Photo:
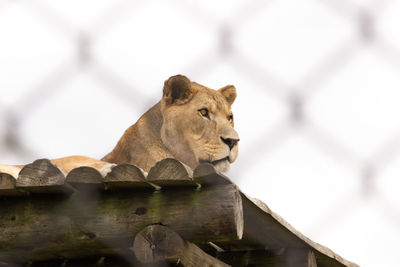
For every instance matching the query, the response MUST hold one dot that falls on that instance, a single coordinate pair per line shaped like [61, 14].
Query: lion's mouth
[215, 162]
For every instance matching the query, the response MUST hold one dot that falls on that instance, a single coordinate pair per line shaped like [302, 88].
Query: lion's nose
[231, 142]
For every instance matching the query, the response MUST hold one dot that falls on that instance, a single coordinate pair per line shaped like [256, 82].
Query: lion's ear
[177, 90]
[229, 92]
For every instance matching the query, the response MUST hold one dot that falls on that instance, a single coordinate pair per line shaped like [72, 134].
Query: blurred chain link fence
[287, 72]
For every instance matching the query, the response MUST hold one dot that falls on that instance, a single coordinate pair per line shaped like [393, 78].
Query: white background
[317, 111]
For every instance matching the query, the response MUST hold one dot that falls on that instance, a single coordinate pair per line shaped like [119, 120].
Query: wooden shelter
[117, 215]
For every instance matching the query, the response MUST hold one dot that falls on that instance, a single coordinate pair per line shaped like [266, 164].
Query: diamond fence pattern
[318, 96]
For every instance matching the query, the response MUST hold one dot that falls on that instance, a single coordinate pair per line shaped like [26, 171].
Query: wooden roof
[83, 211]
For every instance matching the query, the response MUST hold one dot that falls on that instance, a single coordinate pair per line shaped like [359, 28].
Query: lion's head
[198, 123]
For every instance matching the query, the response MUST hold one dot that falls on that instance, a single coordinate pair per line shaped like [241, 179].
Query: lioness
[191, 123]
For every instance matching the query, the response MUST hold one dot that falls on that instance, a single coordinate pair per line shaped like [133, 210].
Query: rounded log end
[40, 173]
[158, 243]
[171, 172]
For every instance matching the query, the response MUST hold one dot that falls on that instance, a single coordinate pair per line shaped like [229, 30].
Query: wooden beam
[289, 257]
[41, 227]
[95, 261]
[157, 243]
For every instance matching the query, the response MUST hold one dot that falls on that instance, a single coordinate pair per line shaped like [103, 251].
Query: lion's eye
[230, 117]
[204, 113]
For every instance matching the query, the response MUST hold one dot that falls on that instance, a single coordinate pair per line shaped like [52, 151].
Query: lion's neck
[141, 143]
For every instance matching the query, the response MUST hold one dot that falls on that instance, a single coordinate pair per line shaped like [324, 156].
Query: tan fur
[67, 164]
[173, 128]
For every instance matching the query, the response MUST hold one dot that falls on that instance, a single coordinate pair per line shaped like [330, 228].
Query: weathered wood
[206, 175]
[157, 243]
[263, 229]
[194, 256]
[311, 259]
[251, 257]
[95, 261]
[328, 260]
[44, 227]
[126, 176]
[294, 257]
[171, 172]
[42, 176]
[289, 257]
[7, 185]
[85, 178]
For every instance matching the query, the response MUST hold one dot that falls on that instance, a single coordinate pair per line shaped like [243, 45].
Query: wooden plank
[126, 176]
[85, 178]
[42, 176]
[44, 228]
[206, 175]
[171, 172]
[157, 243]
